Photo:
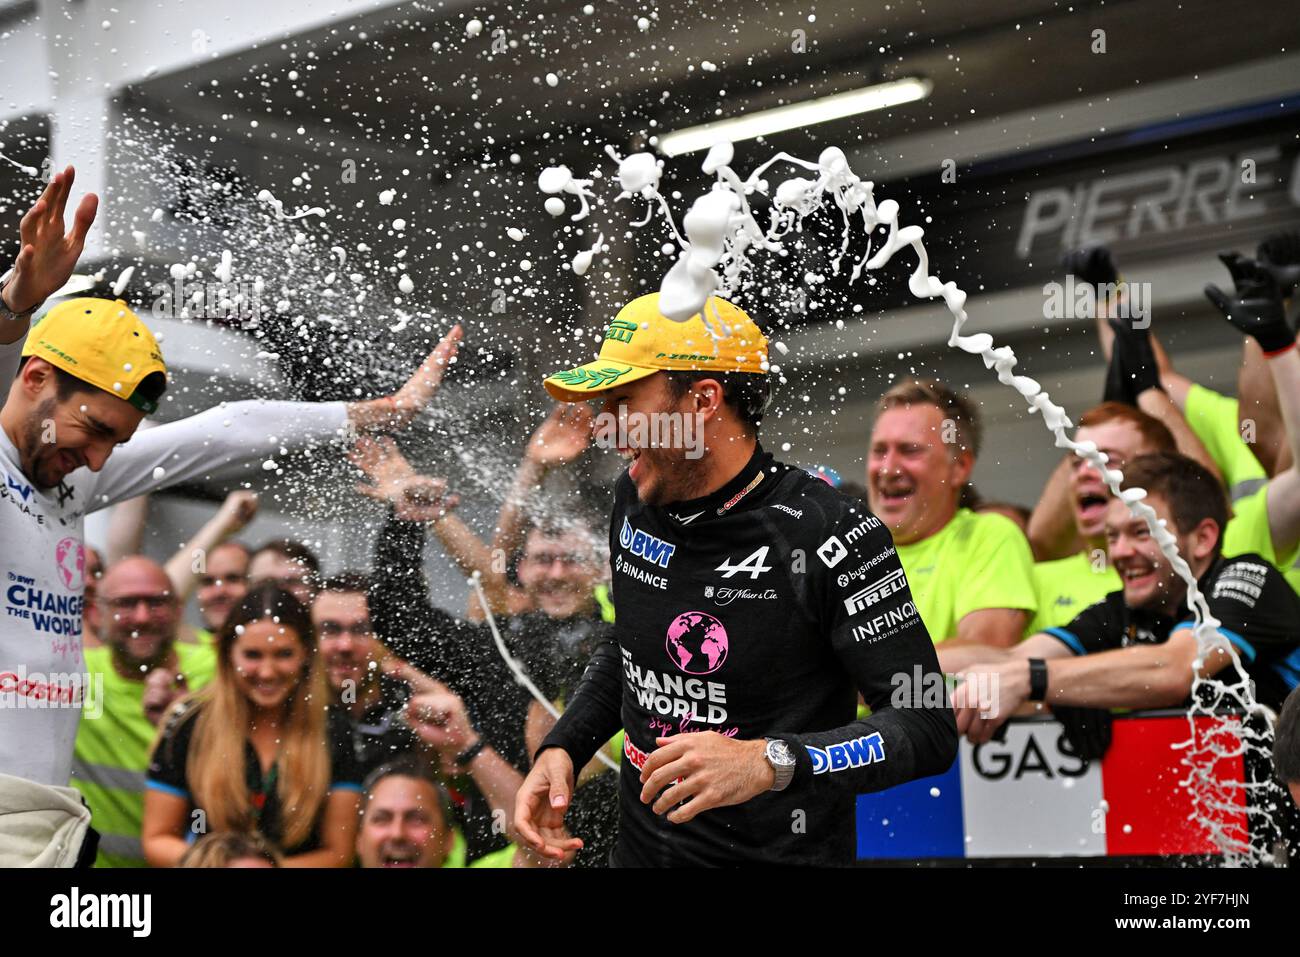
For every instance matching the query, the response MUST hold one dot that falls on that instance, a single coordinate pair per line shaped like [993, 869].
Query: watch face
[779, 752]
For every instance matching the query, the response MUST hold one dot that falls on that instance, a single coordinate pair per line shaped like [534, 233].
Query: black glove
[1087, 730]
[1090, 264]
[1257, 308]
[1280, 255]
[1132, 361]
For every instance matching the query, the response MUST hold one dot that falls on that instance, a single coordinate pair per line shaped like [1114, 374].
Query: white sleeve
[231, 434]
[10, 353]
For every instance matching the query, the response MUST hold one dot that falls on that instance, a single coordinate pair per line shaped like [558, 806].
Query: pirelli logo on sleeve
[878, 590]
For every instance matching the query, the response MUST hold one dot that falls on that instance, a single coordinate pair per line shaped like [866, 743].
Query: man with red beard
[970, 572]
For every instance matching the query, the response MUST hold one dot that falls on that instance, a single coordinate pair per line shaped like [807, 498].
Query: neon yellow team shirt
[456, 856]
[974, 562]
[1067, 586]
[1213, 417]
[112, 751]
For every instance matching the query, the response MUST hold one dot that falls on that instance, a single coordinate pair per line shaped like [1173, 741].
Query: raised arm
[184, 567]
[1052, 531]
[419, 498]
[561, 438]
[46, 256]
[1257, 310]
[251, 433]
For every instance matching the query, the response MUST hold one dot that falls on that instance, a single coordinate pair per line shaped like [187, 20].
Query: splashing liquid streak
[722, 234]
[517, 669]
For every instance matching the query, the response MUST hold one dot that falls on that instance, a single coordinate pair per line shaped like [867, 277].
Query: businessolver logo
[877, 590]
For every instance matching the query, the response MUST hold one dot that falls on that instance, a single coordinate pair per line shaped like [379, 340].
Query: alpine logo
[851, 754]
[891, 583]
[685, 519]
[753, 564]
[644, 545]
[832, 552]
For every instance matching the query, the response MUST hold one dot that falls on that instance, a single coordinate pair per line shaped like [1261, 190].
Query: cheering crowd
[347, 719]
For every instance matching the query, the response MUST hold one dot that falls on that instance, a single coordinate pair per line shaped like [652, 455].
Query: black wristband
[1037, 679]
[470, 753]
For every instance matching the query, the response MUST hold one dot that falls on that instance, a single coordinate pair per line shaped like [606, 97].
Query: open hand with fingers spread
[1257, 308]
[562, 436]
[48, 251]
[396, 411]
[414, 497]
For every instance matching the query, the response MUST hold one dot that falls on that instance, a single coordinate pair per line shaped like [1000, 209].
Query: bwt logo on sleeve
[857, 753]
[654, 550]
[891, 583]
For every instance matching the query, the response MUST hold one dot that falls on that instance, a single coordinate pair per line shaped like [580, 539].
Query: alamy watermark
[189, 298]
[1084, 300]
[651, 430]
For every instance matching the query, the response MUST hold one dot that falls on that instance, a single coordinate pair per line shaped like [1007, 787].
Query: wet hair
[294, 551]
[1192, 493]
[407, 766]
[1156, 436]
[223, 849]
[748, 394]
[953, 405]
[1286, 741]
[346, 583]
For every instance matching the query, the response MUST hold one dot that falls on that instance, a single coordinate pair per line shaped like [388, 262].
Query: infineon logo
[639, 543]
[851, 754]
[891, 583]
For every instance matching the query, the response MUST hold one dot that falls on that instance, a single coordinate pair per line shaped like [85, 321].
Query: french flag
[1031, 796]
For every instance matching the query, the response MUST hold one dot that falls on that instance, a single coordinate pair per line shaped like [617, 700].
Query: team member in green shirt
[1265, 520]
[969, 572]
[134, 675]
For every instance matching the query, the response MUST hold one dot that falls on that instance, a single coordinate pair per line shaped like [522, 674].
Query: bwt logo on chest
[644, 545]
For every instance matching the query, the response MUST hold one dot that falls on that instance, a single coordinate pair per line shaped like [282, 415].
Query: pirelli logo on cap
[873, 593]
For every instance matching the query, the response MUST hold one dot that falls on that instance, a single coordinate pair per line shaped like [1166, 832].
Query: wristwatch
[1037, 679]
[781, 758]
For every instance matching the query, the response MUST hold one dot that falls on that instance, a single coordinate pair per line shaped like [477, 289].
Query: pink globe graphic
[70, 558]
[697, 643]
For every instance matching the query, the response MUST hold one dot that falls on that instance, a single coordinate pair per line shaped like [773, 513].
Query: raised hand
[414, 497]
[397, 410]
[1280, 255]
[237, 510]
[1257, 308]
[48, 253]
[1091, 264]
[562, 436]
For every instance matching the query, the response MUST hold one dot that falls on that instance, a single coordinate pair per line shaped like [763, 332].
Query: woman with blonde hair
[230, 849]
[257, 750]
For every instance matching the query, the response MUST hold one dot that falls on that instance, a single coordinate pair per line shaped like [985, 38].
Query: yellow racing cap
[102, 343]
[641, 341]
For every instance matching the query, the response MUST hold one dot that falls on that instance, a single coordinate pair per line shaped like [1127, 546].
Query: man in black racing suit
[752, 603]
